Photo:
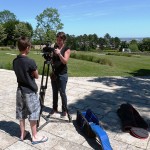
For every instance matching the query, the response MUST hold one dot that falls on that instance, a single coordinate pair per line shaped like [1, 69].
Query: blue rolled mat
[102, 135]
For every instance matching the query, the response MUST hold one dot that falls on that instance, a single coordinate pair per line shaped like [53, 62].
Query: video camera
[48, 51]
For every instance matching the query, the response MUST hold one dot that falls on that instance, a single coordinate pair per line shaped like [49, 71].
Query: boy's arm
[35, 74]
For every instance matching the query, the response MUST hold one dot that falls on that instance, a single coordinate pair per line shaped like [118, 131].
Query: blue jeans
[59, 85]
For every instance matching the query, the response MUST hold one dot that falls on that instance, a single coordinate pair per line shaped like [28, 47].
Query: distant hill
[130, 39]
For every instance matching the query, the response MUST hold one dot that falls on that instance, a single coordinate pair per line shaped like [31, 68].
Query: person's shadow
[10, 127]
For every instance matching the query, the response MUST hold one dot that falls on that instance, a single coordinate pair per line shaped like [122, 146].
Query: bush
[5, 48]
[120, 54]
[95, 59]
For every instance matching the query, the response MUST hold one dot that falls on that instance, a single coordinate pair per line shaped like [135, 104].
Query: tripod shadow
[93, 142]
[50, 118]
[46, 109]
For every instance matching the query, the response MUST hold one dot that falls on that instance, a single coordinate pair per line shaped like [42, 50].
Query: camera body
[48, 51]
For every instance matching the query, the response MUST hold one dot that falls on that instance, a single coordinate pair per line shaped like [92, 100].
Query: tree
[42, 37]
[84, 42]
[101, 43]
[117, 42]
[39, 36]
[123, 44]
[15, 29]
[3, 35]
[6, 16]
[22, 29]
[133, 45]
[29, 26]
[78, 42]
[93, 41]
[49, 20]
[144, 45]
[71, 42]
[9, 30]
[107, 38]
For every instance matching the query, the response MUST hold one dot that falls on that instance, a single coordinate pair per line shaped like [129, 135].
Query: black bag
[84, 124]
[130, 118]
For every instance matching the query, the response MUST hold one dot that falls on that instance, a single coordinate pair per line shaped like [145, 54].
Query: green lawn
[122, 65]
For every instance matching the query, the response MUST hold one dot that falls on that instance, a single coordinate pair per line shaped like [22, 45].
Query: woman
[59, 76]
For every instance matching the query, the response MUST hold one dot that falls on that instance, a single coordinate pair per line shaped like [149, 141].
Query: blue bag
[89, 123]
[102, 136]
[84, 124]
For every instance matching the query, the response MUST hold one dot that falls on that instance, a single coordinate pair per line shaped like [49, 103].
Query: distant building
[126, 50]
[38, 46]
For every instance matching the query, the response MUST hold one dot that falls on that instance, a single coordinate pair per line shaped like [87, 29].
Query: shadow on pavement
[10, 127]
[106, 103]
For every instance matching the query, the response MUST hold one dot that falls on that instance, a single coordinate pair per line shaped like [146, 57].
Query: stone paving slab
[103, 95]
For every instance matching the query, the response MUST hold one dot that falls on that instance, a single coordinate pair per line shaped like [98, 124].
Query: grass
[122, 65]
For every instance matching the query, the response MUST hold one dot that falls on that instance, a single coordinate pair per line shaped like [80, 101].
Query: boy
[27, 102]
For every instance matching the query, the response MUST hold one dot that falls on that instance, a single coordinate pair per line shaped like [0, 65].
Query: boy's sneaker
[63, 114]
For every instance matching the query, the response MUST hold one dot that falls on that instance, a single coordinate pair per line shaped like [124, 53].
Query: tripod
[42, 93]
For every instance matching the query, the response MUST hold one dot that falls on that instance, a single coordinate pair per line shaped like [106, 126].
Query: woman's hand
[64, 59]
[57, 51]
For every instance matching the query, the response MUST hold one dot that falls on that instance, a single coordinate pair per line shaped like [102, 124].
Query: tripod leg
[69, 116]
[43, 88]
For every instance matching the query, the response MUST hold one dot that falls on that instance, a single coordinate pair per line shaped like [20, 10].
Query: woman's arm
[64, 59]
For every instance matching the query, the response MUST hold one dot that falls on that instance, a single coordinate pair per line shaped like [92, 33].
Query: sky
[118, 18]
